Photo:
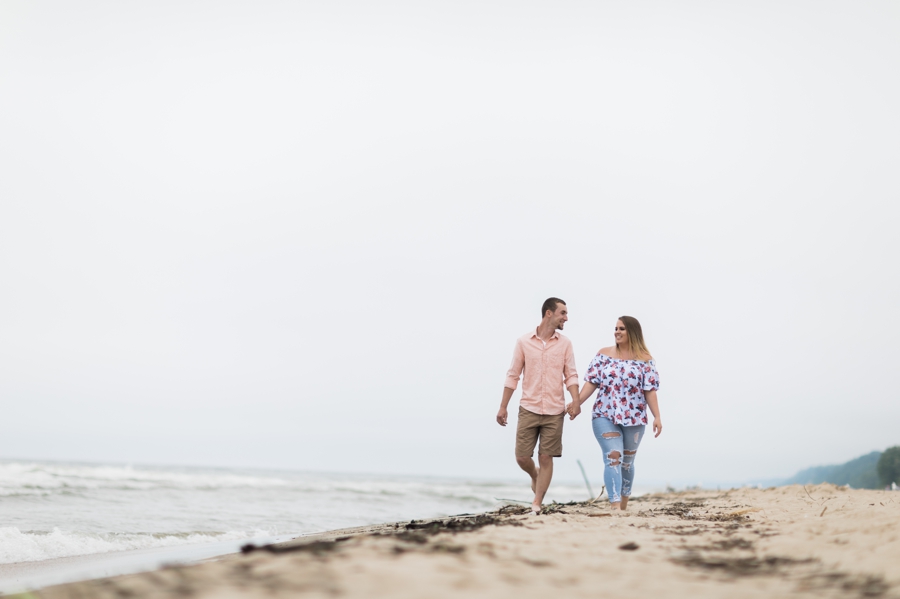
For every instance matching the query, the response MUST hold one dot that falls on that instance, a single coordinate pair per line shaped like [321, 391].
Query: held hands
[657, 427]
[573, 410]
[502, 417]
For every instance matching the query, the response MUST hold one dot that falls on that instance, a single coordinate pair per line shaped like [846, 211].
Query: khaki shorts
[531, 426]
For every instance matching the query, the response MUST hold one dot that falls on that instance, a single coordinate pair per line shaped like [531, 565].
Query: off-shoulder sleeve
[593, 372]
[650, 376]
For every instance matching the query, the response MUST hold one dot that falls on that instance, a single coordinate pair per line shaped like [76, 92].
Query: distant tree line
[874, 470]
[888, 466]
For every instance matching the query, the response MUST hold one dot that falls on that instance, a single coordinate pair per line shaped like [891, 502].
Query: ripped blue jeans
[619, 444]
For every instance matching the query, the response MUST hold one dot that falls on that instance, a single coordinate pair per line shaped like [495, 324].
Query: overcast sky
[307, 234]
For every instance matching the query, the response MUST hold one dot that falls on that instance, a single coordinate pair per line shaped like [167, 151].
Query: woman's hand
[573, 409]
[653, 404]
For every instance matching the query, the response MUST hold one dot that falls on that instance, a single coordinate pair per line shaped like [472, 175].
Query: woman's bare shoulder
[608, 351]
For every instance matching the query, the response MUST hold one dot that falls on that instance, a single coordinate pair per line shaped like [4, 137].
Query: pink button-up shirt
[548, 370]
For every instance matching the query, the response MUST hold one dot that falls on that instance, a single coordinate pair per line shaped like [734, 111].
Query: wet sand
[818, 541]
[36, 574]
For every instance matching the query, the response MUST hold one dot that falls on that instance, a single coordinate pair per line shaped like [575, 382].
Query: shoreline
[814, 541]
[22, 576]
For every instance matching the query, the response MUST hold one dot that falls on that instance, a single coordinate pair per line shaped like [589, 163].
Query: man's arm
[502, 414]
[573, 391]
[570, 378]
[570, 375]
[512, 381]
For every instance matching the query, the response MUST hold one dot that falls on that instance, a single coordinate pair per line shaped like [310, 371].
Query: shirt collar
[535, 335]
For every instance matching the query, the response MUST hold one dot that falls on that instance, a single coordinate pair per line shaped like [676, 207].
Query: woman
[627, 378]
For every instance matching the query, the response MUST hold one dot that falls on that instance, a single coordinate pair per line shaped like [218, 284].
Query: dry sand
[818, 541]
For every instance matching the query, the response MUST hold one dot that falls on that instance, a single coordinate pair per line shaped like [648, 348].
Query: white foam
[17, 546]
[21, 478]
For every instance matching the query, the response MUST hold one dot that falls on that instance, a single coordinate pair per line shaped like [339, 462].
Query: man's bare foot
[534, 480]
[535, 509]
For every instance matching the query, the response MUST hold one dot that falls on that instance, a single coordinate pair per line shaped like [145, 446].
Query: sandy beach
[815, 541]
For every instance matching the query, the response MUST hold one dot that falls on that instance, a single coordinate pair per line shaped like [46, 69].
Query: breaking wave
[17, 546]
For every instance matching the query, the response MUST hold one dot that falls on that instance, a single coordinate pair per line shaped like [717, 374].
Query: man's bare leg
[545, 473]
[527, 464]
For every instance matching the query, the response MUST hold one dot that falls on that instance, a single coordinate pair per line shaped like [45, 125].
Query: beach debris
[607, 515]
[629, 547]
[684, 531]
[732, 543]
[537, 562]
[460, 524]
[557, 508]
[446, 548]
[735, 515]
[728, 544]
[823, 511]
[434, 548]
[679, 508]
[810, 573]
[644, 498]
[513, 510]
[418, 531]
[315, 547]
[597, 498]
[866, 585]
[739, 566]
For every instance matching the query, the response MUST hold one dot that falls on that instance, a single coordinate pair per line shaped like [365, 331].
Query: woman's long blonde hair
[635, 339]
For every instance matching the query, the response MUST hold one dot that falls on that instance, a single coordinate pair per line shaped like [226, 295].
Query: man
[548, 363]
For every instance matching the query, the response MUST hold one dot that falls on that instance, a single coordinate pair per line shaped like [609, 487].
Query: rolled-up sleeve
[570, 375]
[516, 368]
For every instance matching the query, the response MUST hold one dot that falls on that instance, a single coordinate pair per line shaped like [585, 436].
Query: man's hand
[573, 409]
[657, 427]
[502, 416]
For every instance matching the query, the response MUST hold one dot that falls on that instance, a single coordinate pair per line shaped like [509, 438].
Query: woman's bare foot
[624, 503]
[616, 507]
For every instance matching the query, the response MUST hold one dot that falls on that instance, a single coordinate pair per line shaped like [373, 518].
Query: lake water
[52, 510]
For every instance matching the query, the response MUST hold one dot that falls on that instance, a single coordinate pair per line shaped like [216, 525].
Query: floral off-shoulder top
[620, 388]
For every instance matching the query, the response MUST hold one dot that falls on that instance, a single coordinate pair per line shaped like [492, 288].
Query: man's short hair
[550, 304]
